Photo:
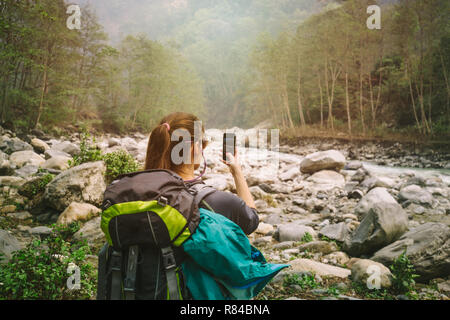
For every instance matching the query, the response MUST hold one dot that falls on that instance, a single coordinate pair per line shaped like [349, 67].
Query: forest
[305, 65]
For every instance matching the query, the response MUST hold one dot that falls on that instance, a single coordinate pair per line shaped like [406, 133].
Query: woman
[239, 209]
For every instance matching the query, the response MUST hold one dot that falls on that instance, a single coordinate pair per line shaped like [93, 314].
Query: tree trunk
[321, 103]
[361, 108]
[44, 89]
[347, 100]
[299, 97]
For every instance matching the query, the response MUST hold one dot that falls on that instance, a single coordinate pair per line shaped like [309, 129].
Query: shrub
[403, 274]
[40, 271]
[119, 162]
[304, 281]
[88, 152]
[307, 237]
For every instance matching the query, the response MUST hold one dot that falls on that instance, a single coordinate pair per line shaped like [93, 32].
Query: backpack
[146, 217]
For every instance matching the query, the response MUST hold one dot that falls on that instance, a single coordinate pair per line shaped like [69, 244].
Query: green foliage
[66, 231]
[88, 152]
[403, 274]
[40, 184]
[40, 271]
[304, 281]
[119, 162]
[362, 290]
[307, 237]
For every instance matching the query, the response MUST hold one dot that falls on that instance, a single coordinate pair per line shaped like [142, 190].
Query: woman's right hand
[233, 163]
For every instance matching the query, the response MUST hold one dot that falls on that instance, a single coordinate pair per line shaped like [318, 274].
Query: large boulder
[377, 195]
[319, 268]
[294, 232]
[324, 247]
[78, 212]
[415, 194]
[363, 269]
[336, 232]
[39, 145]
[428, 249]
[21, 158]
[57, 163]
[91, 232]
[323, 160]
[8, 244]
[381, 225]
[11, 145]
[327, 177]
[55, 153]
[67, 147]
[11, 181]
[83, 183]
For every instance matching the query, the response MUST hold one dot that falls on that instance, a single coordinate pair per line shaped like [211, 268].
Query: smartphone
[229, 144]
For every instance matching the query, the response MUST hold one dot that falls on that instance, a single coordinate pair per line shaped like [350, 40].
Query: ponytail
[160, 146]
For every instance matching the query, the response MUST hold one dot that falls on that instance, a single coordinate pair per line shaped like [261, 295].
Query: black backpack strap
[116, 275]
[201, 191]
[129, 284]
[102, 271]
[171, 276]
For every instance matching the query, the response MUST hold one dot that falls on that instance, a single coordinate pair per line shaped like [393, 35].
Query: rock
[23, 215]
[113, 142]
[364, 268]
[338, 257]
[355, 194]
[55, 153]
[384, 223]
[12, 145]
[83, 183]
[91, 232]
[368, 183]
[284, 245]
[21, 158]
[39, 145]
[319, 268]
[385, 182]
[67, 147]
[359, 175]
[262, 240]
[322, 160]
[8, 245]
[428, 249]
[323, 247]
[273, 219]
[41, 231]
[290, 174]
[219, 183]
[57, 162]
[327, 177]
[294, 232]
[353, 165]
[415, 194]
[444, 286]
[7, 209]
[257, 192]
[374, 196]
[264, 228]
[336, 232]
[78, 212]
[11, 181]
[27, 171]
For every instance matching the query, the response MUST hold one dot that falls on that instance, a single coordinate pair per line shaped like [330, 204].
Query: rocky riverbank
[323, 208]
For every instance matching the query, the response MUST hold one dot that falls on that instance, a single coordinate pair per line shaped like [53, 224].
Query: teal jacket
[222, 264]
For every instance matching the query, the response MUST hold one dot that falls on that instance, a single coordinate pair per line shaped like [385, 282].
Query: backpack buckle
[116, 260]
[162, 201]
[168, 258]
